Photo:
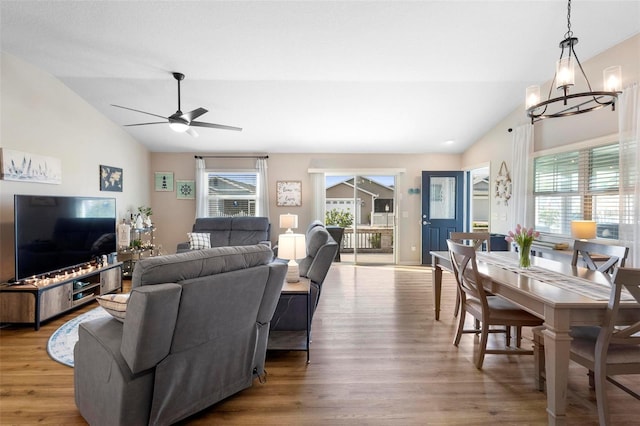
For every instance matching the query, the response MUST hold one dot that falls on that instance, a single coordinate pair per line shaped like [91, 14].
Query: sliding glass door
[365, 207]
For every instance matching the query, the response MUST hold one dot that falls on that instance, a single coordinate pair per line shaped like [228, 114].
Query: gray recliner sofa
[232, 231]
[290, 312]
[195, 332]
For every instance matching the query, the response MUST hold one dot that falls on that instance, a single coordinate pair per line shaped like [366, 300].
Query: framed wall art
[503, 185]
[110, 178]
[185, 189]
[288, 193]
[26, 167]
[164, 181]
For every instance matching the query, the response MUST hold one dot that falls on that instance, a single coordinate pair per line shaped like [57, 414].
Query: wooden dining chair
[489, 310]
[587, 251]
[478, 240]
[611, 349]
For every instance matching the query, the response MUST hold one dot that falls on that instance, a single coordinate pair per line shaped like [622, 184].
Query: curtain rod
[232, 156]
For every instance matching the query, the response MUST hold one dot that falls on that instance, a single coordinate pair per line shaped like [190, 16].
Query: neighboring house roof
[220, 185]
[366, 185]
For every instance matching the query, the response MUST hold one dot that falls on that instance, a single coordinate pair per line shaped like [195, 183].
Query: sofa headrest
[241, 223]
[316, 238]
[250, 224]
[197, 263]
[314, 224]
[212, 224]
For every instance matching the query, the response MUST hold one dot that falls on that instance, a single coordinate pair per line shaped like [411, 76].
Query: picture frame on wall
[26, 167]
[111, 178]
[164, 181]
[288, 193]
[185, 189]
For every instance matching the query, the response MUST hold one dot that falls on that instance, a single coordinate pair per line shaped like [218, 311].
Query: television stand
[37, 300]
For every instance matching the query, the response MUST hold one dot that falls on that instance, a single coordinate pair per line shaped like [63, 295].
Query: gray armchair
[290, 312]
[195, 332]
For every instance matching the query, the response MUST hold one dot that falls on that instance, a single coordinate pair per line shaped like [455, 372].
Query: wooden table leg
[437, 287]
[557, 344]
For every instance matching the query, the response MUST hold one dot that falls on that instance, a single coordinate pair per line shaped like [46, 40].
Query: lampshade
[565, 72]
[289, 221]
[532, 96]
[583, 229]
[612, 77]
[292, 247]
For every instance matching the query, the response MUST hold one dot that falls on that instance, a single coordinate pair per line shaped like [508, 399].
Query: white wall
[40, 115]
[496, 145]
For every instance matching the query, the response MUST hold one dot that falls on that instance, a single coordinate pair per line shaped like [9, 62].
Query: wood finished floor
[378, 357]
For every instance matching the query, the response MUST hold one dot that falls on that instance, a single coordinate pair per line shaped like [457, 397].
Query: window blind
[577, 185]
[232, 193]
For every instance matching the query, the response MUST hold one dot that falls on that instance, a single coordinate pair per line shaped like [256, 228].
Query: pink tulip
[509, 239]
[530, 232]
[511, 234]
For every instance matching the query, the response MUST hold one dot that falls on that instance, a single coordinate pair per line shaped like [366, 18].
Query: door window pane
[442, 202]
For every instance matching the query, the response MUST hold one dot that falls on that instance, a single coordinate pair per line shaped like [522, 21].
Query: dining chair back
[479, 241]
[612, 349]
[614, 255]
[488, 309]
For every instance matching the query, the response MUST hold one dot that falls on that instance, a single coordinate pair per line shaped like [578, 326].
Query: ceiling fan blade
[137, 110]
[192, 132]
[144, 124]
[192, 115]
[215, 126]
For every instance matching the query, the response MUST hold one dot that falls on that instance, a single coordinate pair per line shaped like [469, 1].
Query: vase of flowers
[523, 237]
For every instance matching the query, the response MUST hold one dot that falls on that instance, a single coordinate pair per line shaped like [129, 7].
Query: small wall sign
[185, 189]
[164, 181]
[289, 193]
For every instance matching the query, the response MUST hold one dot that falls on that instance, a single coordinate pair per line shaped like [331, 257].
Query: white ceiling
[309, 76]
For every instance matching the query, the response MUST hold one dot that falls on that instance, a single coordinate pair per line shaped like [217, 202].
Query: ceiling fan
[179, 121]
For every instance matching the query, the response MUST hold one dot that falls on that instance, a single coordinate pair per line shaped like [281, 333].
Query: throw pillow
[199, 240]
[115, 304]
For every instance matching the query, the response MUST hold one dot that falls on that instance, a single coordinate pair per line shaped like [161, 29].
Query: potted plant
[145, 212]
[335, 221]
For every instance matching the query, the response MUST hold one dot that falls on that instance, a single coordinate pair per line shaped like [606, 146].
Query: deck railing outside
[368, 239]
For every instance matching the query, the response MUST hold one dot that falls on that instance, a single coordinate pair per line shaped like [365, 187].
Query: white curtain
[262, 209]
[628, 123]
[318, 192]
[202, 188]
[521, 202]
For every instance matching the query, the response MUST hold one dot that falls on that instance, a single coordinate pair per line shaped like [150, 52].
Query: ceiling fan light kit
[181, 122]
[577, 103]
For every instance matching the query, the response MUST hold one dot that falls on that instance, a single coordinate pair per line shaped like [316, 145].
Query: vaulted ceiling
[309, 76]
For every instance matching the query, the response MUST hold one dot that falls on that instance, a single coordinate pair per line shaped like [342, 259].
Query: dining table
[561, 294]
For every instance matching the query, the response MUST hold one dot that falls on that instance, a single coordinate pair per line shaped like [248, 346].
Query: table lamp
[292, 247]
[289, 221]
[583, 229]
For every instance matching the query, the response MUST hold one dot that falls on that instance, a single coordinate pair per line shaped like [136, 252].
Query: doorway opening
[364, 205]
[479, 204]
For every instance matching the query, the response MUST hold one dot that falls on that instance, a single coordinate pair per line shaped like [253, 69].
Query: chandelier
[577, 103]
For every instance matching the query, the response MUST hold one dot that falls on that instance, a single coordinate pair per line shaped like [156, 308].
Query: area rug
[62, 341]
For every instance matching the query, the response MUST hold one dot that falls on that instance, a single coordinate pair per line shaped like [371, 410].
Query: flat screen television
[53, 233]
